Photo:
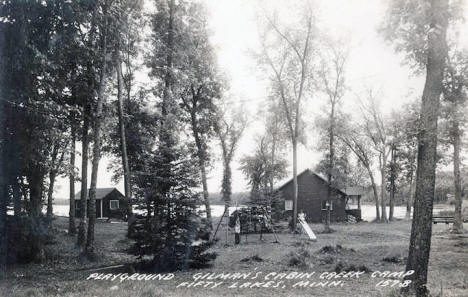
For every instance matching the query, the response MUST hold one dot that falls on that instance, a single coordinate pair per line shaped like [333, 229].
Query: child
[237, 230]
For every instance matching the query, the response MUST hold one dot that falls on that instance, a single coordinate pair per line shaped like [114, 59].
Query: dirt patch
[393, 259]
[338, 249]
[345, 267]
[461, 244]
[254, 258]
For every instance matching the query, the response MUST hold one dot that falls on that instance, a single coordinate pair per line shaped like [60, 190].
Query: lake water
[367, 211]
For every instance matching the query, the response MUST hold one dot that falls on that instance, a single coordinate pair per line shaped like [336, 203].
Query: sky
[371, 62]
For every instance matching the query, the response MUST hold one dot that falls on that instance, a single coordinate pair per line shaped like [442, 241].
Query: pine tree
[172, 231]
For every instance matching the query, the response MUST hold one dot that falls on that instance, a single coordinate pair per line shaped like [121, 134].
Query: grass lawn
[363, 246]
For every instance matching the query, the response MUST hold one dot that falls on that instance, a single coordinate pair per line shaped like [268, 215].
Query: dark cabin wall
[106, 212]
[312, 190]
[78, 210]
[114, 195]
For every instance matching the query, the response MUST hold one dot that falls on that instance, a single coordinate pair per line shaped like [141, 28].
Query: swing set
[254, 219]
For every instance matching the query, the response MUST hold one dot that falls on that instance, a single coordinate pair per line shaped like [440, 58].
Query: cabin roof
[100, 193]
[312, 173]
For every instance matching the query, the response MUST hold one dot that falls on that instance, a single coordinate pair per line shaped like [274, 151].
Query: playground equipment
[253, 219]
[306, 227]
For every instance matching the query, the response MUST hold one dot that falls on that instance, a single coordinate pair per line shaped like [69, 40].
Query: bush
[180, 246]
[26, 238]
[327, 260]
[119, 213]
[299, 258]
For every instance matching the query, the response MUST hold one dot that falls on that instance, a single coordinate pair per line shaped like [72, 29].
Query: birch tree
[403, 137]
[128, 37]
[375, 129]
[287, 54]
[331, 82]
[357, 143]
[87, 95]
[104, 28]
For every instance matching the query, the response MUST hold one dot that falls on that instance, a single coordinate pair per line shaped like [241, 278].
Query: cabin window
[288, 205]
[324, 205]
[114, 204]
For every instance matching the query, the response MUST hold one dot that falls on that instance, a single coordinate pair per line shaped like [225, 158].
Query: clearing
[362, 246]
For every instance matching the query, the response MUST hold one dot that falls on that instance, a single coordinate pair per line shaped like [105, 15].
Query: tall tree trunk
[271, 180]
[294, 218]
[376, 195]
[168, 75]
[35, 189]
[82, 227]
[16, 198]
[201, 152]
[331, 165]
[409, 201]
[166, 140]
[52, 174]
[71, 213]
[98, 119]
[383, 190]
[81, 238]
[458, 222]
[226, 186]
[392, 182]
[421, 229]
[50, 193]
[3, 199]
[3, 221]
[123, 147]
[206, 197]
[35, 181]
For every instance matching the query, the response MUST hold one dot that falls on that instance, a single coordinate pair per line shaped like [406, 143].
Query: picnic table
[443, 219]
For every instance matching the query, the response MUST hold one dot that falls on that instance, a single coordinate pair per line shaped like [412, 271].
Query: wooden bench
[439, 219]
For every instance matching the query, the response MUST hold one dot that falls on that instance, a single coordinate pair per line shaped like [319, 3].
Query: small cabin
[312, 198]
[110, 203]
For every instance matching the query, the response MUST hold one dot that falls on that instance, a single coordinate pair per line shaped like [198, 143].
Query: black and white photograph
[233, 148]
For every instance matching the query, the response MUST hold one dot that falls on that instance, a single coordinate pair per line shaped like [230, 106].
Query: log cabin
[110, 203]
[312, 196]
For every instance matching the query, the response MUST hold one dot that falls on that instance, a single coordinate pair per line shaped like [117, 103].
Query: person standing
[237, 230]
